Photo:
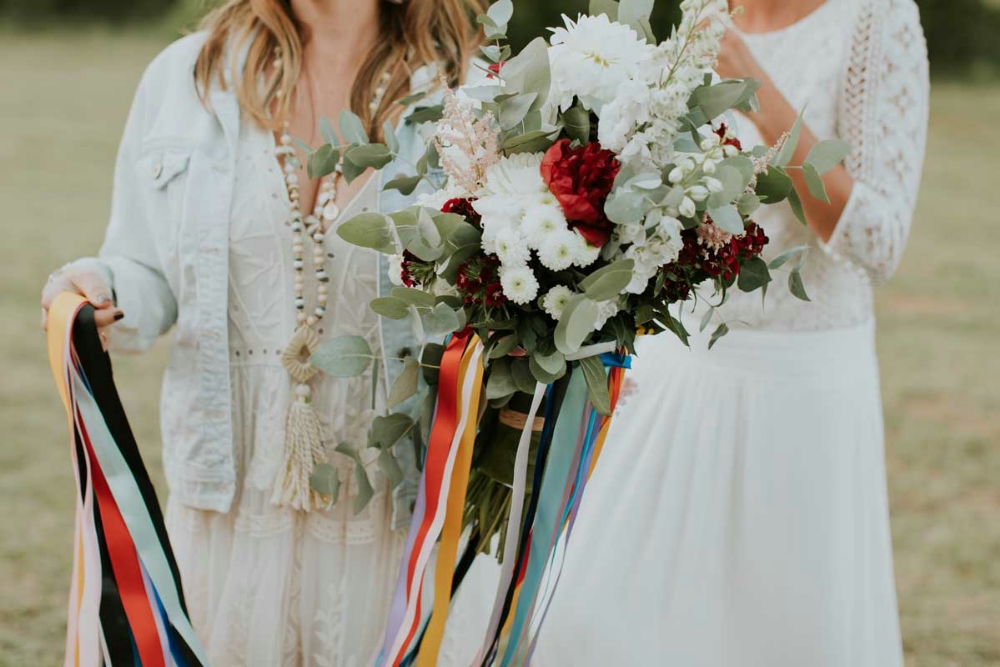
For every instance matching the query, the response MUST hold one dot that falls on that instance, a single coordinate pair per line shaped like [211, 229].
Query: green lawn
[63, 106]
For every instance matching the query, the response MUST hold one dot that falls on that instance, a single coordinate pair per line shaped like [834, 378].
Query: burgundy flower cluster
[479, 281]
[463, 207]
[698, 261]
[414, 270]
[581, 179]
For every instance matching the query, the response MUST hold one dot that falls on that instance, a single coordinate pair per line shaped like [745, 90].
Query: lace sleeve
[883, 115]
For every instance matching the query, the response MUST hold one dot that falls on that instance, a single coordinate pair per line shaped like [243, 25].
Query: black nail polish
[119, 316]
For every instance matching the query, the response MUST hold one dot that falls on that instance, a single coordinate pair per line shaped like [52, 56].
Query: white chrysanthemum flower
[605, 311]
[541, 220]
[511, 247]
[516, 175]
[584, 254]
[590, 58]
[554, 303]
[558, 250]
[519, 284]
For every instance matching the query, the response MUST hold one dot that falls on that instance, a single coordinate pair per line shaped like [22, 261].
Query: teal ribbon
[563, 452]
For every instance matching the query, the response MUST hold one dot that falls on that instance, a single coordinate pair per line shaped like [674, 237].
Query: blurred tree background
[962, 35]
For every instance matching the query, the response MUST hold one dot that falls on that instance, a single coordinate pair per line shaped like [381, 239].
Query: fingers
[87, 284]
[107, 316]
[93, 288]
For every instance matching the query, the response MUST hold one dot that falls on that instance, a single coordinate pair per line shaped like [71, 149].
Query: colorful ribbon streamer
[126, 602]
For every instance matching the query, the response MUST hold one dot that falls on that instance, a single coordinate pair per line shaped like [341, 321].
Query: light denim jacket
[166, 255]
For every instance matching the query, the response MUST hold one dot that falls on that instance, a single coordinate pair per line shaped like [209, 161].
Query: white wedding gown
[270, 586]
[738, 516]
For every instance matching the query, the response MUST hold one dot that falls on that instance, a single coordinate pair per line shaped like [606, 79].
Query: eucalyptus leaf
[636, 13]
[747, 204]
[405, 384]
[389, 466]
[627, 207]
[405, 184]
[369, 156]
[325, 480]
[796, 286]
[576, 121]
[773, 186]
[428, 114]
[535, 141]
[815, 183]
[719, 332]
[796, 253]
[784, 155]
[364, 490]
[500, 382]
[513, 111]
[796, 205]
[547, 368]
[714, 100]
[412, 99]
[501, 12]
[343, 356]
[441, 320]
[597, 384]
[389, 136]
[706, 319]
[351, 128]
[351, 171]
[389, 430]
[576, 324]
[609, 7]
[326, 131]
[413, 297]
[608, 282]
[430, 360]
[827, 154]
[727, 218]
[733, 183]
[390, 307]
[520, 371]
[529, 71]
[753, 275]
[503, 346]
[369, 230]
[323, 161]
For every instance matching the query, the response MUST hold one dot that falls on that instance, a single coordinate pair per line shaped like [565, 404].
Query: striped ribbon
[126, 604]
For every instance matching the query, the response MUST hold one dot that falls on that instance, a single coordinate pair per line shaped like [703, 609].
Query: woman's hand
[83, 278]
[735, 59]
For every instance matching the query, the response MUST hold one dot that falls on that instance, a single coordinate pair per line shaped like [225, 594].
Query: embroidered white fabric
[858, 68]
[269, 585]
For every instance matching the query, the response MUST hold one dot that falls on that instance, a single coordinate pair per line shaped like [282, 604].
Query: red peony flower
[581, 179]
[463, 207]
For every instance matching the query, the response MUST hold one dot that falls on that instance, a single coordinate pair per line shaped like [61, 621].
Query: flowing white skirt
[738, 516]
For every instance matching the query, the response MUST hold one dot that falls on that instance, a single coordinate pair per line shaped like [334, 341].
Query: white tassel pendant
[303, 434]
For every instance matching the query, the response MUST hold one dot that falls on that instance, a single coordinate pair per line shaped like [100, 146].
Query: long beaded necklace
[303, 433]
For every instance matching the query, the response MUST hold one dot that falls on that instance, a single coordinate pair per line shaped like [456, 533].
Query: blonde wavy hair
[414, 33]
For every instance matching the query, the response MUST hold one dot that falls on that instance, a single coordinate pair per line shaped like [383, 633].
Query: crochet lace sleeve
[883, 115]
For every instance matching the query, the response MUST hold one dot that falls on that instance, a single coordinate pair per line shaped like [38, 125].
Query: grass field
[63, 105]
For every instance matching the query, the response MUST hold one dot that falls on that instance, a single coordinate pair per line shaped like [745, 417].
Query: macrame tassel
[303, 434]
[303, 450]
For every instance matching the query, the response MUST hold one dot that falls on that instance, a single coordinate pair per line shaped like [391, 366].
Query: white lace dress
[270, 586]
[738, 515]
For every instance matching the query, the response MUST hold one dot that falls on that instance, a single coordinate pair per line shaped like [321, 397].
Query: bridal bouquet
[590, 183]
